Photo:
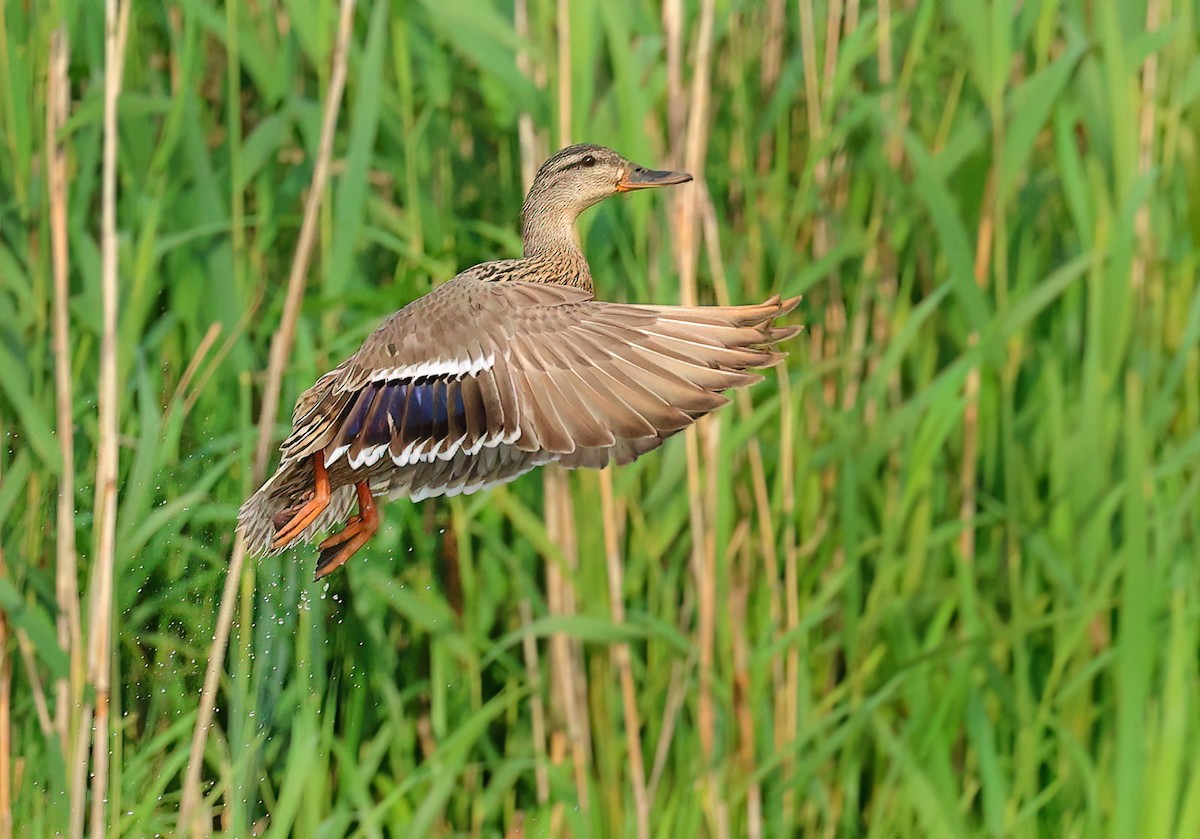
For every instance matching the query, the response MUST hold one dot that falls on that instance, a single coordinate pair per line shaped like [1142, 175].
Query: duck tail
[256, 518]
[269, 510]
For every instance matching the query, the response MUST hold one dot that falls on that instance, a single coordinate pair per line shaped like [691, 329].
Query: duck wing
[539, 367]
[479, 382]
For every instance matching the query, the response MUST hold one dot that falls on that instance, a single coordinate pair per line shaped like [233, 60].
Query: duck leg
[308, 513]
[344, 544]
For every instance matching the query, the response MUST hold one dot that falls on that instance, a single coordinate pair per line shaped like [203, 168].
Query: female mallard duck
[510, 365]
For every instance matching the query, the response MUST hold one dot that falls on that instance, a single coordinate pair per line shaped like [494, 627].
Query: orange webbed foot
[309, 512]
[345, 543]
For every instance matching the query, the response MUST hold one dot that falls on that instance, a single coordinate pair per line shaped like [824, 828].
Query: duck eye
[588, 161]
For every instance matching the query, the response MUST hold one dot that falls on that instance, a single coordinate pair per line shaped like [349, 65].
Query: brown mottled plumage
[510, 365]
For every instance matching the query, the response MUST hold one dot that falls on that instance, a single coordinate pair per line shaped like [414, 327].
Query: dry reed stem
[833, 28]
[860, 328]
[529, 649]
[68, 690]
[771, 69]
[835, 315]
[193, 365]
[676, 695]
[966, 509]
[516, 828]
[526, 130]
[29, 659]
[226, 347]
[688, 126]
[565, 676]
[78, 779]
[695, 144]
[696, 149]
[527, 134]
[817, 96]
[772, 55]
[568, 675]
[766, 536]
[791, 584]
[813, 109]
[967, 477]
[701, 497]
[672, 19]
[772, 64]
[621, 657]
[851, 16]
[1146, 121]
[100, 618]
[707, 591]
[884, 31]
[880, 256]
[280, 350]
[740, 552]
[563, 52]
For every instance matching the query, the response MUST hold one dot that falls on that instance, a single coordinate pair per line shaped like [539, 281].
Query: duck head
[578, 177]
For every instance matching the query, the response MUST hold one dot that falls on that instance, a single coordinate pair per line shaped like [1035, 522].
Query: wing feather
[480, 366]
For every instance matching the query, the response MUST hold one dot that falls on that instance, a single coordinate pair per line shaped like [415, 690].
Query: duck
[511, 365]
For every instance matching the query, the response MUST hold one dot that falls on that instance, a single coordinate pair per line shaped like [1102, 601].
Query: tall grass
[935, 576]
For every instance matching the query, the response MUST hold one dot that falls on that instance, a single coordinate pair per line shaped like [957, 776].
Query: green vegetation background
[961, 596]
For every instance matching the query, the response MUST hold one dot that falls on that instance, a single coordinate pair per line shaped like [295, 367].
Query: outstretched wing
[540, 368]
[477, 383]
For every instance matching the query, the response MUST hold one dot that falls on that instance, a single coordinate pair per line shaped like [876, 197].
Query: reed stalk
[100, 664]
[567, 674]
[280, 350]
[69, 688]
[620, 655]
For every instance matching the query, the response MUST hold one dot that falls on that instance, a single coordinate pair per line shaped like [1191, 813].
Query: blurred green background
[936, 576]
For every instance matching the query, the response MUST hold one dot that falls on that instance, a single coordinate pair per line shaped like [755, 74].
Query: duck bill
[639, 178]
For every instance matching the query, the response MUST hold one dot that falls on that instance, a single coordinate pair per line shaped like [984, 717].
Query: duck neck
[549, 237]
